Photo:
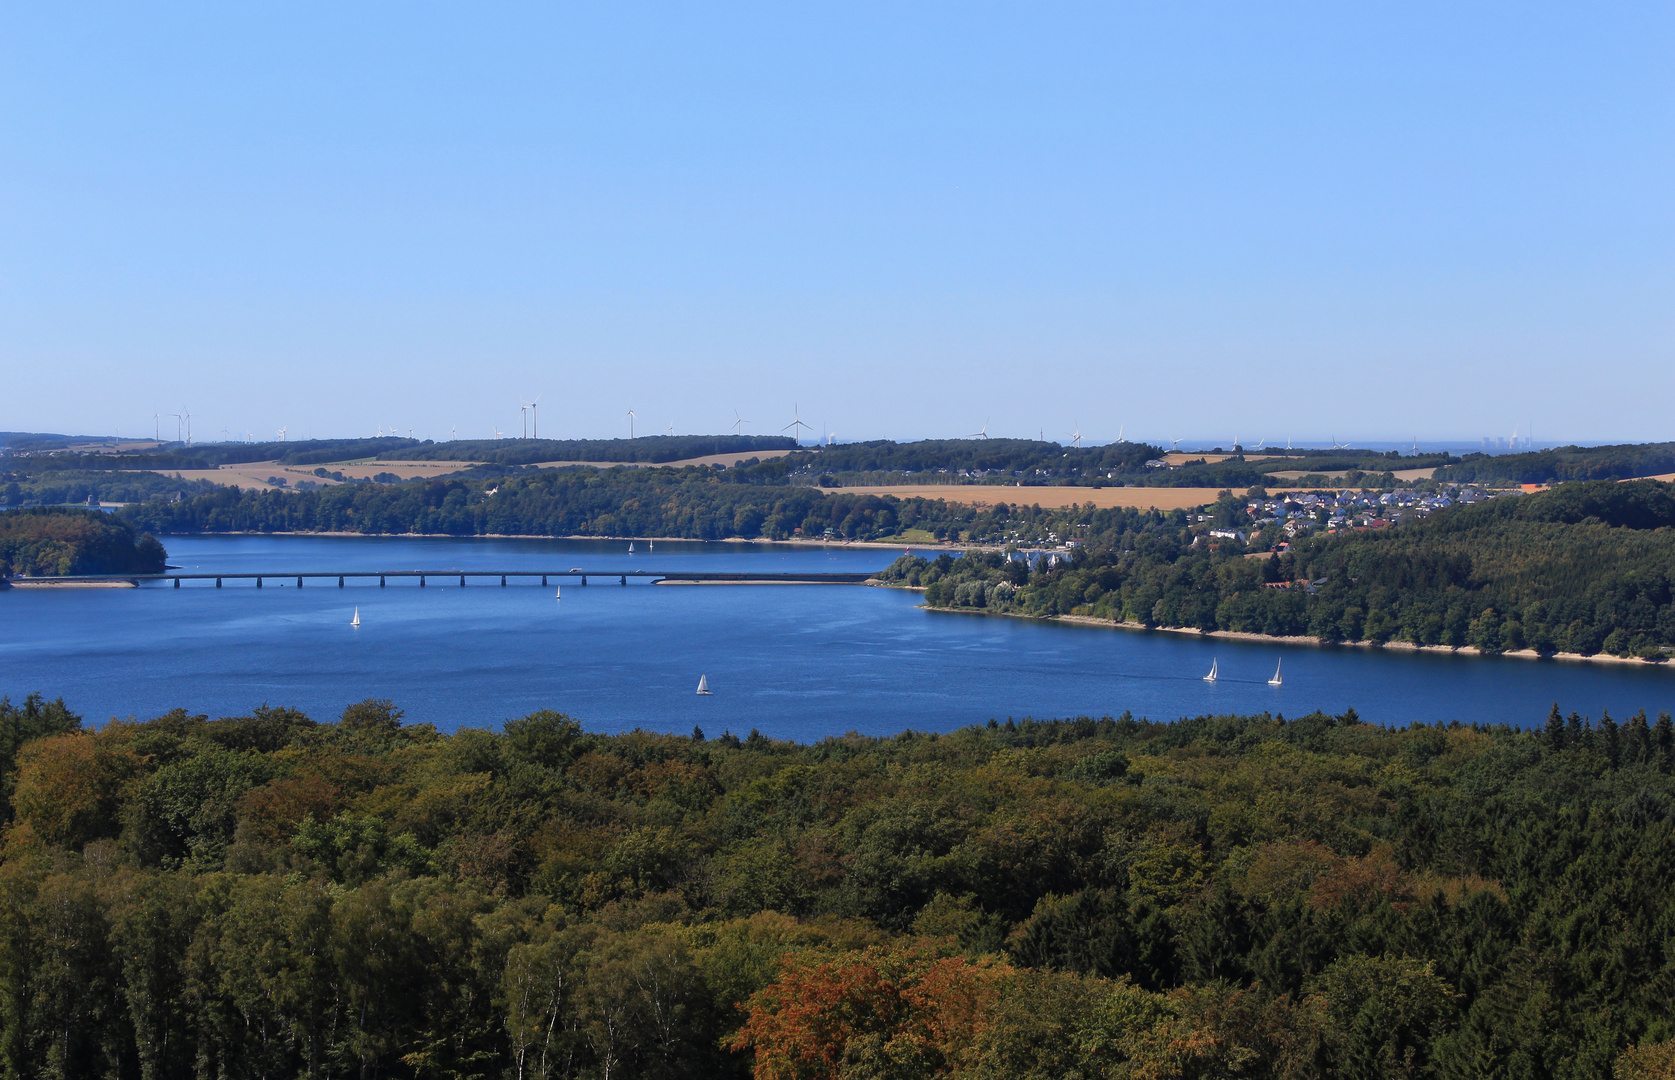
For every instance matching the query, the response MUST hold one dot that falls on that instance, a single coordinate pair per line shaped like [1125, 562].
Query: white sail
[1276, 681]
[1211, 677]
[356, 621]
[558, 594]
[703, 684]
[630, 547]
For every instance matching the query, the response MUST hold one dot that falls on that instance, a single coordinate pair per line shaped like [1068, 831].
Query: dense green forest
[1261, 897]
[1564, 463]
[697, 503]
[646, 448]
[1583, 568]
[57, 540]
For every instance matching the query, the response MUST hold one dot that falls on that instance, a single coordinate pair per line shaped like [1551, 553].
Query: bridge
[505, 577]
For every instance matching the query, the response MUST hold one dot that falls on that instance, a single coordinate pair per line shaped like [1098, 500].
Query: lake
[798, 662]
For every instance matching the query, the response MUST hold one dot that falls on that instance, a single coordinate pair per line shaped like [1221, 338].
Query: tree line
[46, 541]
[1261, 897]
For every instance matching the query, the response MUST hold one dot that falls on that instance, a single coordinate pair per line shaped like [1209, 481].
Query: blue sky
[1372, 220]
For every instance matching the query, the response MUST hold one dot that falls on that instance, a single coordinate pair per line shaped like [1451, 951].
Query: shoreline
[1303, 640]
[880, 545]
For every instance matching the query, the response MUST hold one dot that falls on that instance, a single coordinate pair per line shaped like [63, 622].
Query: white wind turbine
[796, 425]
[631, 418]
[523, 416]
[1076, 437]
[738, 423]
[984, 433]
[534, 418]
[1174, 445]
[282, 434]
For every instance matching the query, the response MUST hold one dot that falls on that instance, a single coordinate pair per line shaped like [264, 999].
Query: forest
[696, 503]
[1565, 463]
[59, 540]
[1261, 896]
[1585, 568]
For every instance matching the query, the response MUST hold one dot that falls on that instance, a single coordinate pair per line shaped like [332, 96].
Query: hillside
[1227, 896]
[1584, 568]
[69, 541]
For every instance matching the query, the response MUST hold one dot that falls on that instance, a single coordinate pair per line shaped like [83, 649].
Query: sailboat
[356, 621]
[1276, 681]
[630, 547]
[558, 593]
[704, 685]
[1211, 677]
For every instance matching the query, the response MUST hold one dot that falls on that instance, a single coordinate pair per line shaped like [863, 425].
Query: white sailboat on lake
[1211, 677]
[558, 593]
[356, 621]
[704, 685]
[630, 547]
[1276, 680]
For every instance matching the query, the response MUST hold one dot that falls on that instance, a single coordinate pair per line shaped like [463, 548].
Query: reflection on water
[794, 661]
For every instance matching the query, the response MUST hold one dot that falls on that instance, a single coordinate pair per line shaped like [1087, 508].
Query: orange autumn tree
[68, 786]
[916, 1010]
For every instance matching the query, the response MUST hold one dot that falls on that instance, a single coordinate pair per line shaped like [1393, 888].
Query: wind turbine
[796, 425]
[177, 426]
[738, 423]
[523, 415]
[630, 425]
[496, 431]
[453, 433]
[983, 434]
[1120, 429]
[156, 427]
[1174, 445]
[1075, 437]
[671, 431]
[534, 417]
[282, 434]
[188, 424]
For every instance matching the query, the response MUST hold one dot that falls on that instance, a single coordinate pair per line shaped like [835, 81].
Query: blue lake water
[798, 662]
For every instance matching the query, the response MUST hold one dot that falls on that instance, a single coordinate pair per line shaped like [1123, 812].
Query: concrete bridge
[504, 577]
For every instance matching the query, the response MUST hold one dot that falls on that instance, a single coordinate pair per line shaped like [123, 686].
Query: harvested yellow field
[1048, 498]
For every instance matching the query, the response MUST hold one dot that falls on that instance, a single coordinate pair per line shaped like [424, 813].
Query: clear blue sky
[1368, 220]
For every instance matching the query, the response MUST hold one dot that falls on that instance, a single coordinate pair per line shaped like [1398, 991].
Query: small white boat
[704, 685]
[651, 545]
[558, 593]
[630, 547]
[1211, 677]
[356, 621]
[1276, 681]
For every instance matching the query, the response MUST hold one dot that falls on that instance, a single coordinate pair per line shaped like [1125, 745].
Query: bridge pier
[217, 583]
[625, 579]
[584, 579]
[380, 581]
[543, 579]
[421, 581]
[502, 580]
[299, 581]
[258, 583]
[462, 581]
[177, 583]
[340, 581]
